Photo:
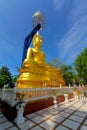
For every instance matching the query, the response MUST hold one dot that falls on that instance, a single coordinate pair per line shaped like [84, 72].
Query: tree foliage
[68, 74]
[5, 77]
[67, 71]
[81, 65]
[55, 62]
[17, 75]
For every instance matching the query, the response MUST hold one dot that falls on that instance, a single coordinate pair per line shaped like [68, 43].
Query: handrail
[30, 94]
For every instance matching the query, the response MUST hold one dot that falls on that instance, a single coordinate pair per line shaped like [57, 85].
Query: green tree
[68, 74]
[17, 75]
[1, 81]
[5, 77]
[81, 65]
[55, 62]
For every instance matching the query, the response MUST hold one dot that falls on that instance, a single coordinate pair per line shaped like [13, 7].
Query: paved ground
[67, 116]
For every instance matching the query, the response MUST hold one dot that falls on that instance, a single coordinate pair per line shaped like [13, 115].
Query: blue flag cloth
[28, 40]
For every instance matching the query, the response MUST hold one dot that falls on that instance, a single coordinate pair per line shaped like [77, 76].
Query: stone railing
[8, 95]
[30, 94]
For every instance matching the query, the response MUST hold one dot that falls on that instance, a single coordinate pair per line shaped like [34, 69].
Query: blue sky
[65, 33]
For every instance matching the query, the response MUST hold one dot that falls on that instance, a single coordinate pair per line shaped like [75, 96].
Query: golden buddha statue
[35, 72]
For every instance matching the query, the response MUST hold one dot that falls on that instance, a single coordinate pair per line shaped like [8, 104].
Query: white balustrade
[30, 94]
[8, 95]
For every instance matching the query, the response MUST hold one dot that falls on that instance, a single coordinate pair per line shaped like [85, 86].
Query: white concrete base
[19, 119]
[66, 97]
[55, 102]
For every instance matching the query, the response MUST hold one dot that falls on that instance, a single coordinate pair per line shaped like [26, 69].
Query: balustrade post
[14, 96]
[26, 95]
[46, 89]
[38, 91]
[60, 85]
[3, 93]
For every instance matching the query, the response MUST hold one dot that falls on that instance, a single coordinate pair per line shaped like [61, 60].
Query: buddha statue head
[37, 41]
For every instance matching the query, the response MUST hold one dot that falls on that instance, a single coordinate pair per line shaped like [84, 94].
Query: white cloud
[79, 9]
[74, 55]
[58, 4]
[74, 36]
[73, 41]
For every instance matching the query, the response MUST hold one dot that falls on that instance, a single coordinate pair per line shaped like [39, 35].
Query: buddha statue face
[37, 41]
